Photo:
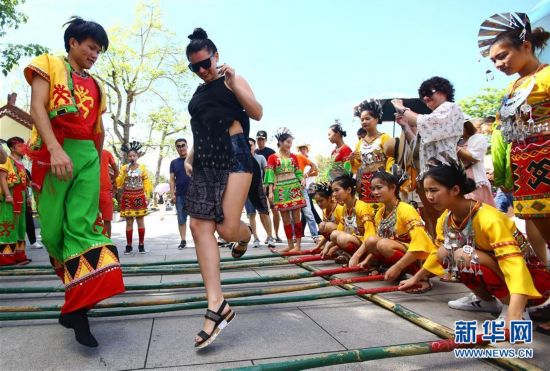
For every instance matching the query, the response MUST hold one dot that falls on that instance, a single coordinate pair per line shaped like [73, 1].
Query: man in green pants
[66, 143]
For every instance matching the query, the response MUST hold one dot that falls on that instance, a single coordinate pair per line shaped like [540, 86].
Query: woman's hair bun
[198, 34]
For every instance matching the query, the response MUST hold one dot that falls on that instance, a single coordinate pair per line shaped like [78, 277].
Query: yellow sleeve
[500, 232]
[389, 160]
[432, 263]
[356, 163]
[121, 176]
[6, 166]
[414, 226]
[339, 214]
[366, 213]
[147, 185]
[39, 66]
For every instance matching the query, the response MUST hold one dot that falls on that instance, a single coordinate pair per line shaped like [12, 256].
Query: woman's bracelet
[402, 111]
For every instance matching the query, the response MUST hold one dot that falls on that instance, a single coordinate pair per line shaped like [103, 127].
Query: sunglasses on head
[181, 145]
[205, 63]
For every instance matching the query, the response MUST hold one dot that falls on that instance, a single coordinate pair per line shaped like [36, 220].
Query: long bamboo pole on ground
[152, 264]
[167, 285]
[175, 270]
[362, 355]
[190, 299]
[427, 324]
[17, 316]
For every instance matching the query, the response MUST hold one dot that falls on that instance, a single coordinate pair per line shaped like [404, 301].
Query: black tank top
[213, 108]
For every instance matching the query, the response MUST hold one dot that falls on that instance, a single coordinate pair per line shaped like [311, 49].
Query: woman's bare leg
[208, 255]
[234, 197]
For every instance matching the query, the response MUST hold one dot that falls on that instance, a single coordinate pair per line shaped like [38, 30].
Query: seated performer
[356, 223]
[332, 215]
[285, 183]
[136, 192]
[401, 239]
[480, 247]
[66, 107]
[13, 203]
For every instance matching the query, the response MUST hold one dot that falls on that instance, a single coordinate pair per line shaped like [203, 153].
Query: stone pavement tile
[205, 367]
[440, 361]
[436, 308]
[123, 345]
[251, 335]
[360, 325]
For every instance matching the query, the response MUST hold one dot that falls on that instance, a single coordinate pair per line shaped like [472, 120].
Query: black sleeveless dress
[213, 108]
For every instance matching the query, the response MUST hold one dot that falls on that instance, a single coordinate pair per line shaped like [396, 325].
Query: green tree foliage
[11, 18]
[145, 60]
[165, 123]
[486, 103]
[324, 163]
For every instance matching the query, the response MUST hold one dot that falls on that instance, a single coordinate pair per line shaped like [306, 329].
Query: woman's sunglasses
[181, 145]
[206, 64]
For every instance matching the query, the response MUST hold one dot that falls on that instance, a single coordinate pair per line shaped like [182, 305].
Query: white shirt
[477, 146]
[440, 132]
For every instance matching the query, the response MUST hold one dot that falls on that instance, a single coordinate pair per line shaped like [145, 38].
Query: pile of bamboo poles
[9, 313]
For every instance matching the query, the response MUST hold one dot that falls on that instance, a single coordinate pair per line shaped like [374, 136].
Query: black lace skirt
[203, 199]
[204, 195]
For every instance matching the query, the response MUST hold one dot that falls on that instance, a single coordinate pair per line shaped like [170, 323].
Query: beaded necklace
[386, 229]
[460, 236]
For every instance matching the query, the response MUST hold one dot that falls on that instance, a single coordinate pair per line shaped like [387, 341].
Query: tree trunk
[161, 156]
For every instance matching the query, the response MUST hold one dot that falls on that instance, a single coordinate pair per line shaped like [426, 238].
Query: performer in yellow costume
[480, 247]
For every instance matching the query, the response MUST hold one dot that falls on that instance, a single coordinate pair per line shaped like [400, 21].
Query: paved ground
[258, 335]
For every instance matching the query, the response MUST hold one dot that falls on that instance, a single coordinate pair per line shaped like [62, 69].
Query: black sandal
[220, 321]
[238, 249]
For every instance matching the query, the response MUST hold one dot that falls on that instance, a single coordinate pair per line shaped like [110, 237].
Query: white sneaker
[256, 243]
[270, 242]
[36, 245]
[475, 304]
[502, 315]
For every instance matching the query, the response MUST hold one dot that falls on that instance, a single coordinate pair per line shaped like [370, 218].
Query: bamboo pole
[151, 264]
[152, 271]
[427, 324]
[362, 355]
[166, 286]
[189, 299]
[174, 270]
[187, 284]
[18, 316]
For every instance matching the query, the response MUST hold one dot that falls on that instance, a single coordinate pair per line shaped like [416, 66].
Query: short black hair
[337, 128]
[361, 132]
[450, 175]
[180, 140]
[346, 181]
[80, 30]
[388, 179]
[13, 141]
[489, 119]
[252, 140]
[439, 84]
[199, 41]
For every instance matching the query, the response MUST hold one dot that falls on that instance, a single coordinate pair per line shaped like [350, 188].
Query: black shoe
[78, 321]
[278, 240]
[128, 250]
[183, 245]
[141, 249]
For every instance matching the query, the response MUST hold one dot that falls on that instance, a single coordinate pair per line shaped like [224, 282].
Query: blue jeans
[182, 216]
[310, 219]
[503, 200]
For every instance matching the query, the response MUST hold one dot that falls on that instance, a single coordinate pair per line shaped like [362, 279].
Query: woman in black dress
[221, 167]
